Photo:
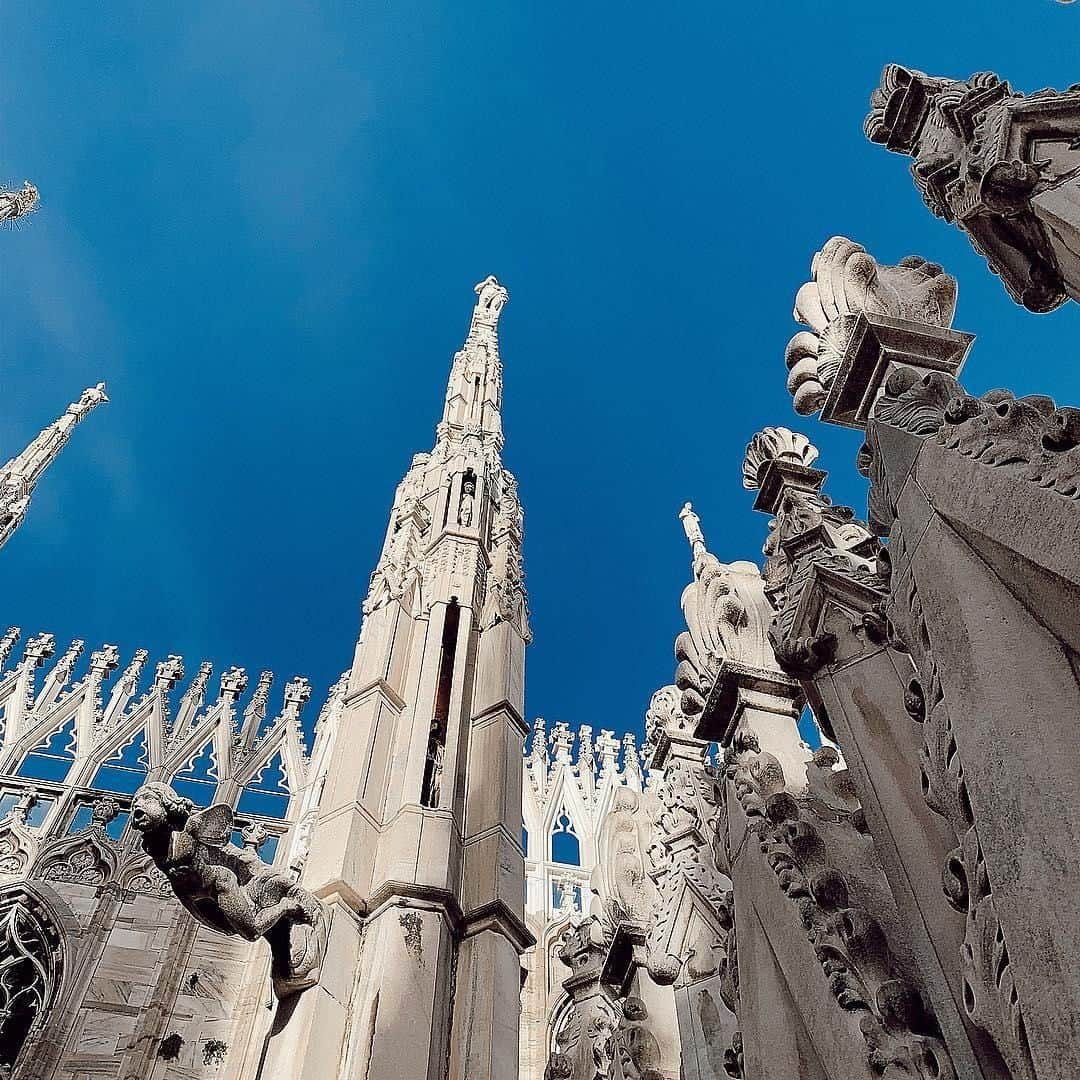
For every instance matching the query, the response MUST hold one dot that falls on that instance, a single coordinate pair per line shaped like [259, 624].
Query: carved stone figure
[465, 506]
[16, 204]
[999, 164]
[231, 889]
[847, 285]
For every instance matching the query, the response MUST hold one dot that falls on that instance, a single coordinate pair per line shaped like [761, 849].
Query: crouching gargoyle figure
[230, 889]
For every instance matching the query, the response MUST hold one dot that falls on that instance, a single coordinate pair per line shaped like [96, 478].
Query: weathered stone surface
[998, 163]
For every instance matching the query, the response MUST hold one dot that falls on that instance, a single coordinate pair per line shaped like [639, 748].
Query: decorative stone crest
[231, 889]
[1028, 437]
[848, 285]
[998, 163]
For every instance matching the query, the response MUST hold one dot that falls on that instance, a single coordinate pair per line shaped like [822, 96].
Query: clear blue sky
[261, 223]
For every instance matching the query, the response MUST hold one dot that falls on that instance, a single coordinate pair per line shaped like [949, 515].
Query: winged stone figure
[228, 888]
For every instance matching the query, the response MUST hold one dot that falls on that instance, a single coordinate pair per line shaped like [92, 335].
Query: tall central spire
[420, 819]
[474, 392]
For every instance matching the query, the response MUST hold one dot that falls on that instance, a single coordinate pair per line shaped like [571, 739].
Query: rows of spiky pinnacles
[74, 728]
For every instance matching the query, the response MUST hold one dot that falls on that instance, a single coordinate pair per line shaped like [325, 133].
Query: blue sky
[261, 223]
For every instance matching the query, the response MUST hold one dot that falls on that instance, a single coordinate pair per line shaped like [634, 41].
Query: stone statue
[16, 204]
[228, 888]
[90, 398]
[465, 506]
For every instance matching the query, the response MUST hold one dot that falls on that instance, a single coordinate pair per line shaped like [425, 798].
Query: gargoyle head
[156, 807]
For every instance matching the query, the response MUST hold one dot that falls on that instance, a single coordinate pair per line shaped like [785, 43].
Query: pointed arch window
[125, 770]
[29, 974]
[198, 779]
[52, 758]
[565, 845]
[39, 807]
[267, 793]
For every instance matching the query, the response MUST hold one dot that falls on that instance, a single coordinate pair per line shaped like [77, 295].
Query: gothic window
[809, 728]
[38, 810]
[52, 758]
[431, 790]
[565, 893]
[267, 792]
[198, 779]
[84, 817]
[565, 846]
[125, 771]
[266, 850]
[29, 972]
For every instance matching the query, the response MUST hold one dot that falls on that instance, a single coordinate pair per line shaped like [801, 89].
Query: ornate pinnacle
[233, 684]
[103, 661]
[39, 648]
[17, 204]
[20, 475]
[491, 297]
[7, 643]
[297, 693]
[775, 444]
[168, 673]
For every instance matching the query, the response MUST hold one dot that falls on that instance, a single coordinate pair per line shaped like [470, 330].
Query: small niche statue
[468, 498]
[228, 888]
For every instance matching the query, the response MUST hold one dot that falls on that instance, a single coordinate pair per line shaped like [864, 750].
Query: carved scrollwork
[900, 1034]
[1027, 437]
[846, 282]
[990, 995]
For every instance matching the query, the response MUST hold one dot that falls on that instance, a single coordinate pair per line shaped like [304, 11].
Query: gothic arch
[31, 969]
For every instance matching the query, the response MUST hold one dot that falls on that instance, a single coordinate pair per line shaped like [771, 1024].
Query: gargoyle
[230, 889]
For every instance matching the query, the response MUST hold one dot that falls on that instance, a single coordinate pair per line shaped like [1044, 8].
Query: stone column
[831, 632]
[979, 496]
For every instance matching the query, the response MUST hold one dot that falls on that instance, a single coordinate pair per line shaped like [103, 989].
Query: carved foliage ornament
[1027, 437]
[846, 282]
[990, 995]
[900, 1033]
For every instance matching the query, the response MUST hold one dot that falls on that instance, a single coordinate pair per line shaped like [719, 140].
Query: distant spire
[20, 475]
[17, 204]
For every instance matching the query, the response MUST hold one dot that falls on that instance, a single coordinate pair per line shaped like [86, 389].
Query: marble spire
[20, 475]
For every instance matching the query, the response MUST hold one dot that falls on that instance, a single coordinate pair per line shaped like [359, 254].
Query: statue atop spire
[17, 204]
[692, 527]
[20, 475]
[490, 298]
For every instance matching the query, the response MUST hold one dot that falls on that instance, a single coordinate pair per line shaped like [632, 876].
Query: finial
[775, 444]
[233, 684]
[16, 204]
[90, 398]
[490, 298]
[692, 527]
[297, 693]
[168, 673]
[847, 283]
